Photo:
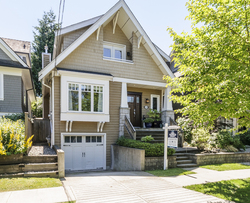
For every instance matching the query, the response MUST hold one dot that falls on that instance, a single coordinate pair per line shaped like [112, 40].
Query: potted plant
[156, 116]
[148, 122]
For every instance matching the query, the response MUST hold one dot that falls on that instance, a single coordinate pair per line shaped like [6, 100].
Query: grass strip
[12, 184]
[231, 190]
[226, 167]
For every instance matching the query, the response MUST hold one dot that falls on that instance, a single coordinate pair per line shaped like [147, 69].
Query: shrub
[186, 125]
[12, 137]
[151, 150]
[245, 138]
[15, 116]
[148, 138]
[37, 107]
[201, 138]
[225, 139]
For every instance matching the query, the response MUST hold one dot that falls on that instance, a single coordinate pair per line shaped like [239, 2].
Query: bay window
[85, 97]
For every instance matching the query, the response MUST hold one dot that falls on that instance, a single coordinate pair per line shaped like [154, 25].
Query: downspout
[50, 116]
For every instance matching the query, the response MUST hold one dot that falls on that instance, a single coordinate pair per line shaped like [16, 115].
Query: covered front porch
[137, 99]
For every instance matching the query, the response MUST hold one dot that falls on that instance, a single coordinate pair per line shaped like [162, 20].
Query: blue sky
[18, 18]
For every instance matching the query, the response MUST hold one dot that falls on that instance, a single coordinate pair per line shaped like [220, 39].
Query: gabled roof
[10, 52]
[16, 62]
[128, 23]
[18, 45]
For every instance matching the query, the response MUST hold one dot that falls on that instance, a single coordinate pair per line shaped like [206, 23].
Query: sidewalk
[205, 176]
[44, 195]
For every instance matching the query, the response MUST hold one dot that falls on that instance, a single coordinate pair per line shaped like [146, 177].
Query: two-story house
[16, 84]
[105, 75]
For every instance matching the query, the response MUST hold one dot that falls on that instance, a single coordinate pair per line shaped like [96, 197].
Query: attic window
[114, 51]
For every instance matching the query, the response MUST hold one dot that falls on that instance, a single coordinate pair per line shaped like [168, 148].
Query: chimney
[46, 57]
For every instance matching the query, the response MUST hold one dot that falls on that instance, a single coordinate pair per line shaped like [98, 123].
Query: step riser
[186, 166]
[48, 174]
[184, 162]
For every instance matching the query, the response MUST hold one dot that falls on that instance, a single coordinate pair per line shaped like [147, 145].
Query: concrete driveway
[128, 187]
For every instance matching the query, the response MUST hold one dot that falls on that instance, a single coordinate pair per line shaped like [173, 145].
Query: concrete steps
[183, 161]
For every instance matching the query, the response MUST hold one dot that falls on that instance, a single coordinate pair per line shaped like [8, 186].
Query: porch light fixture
[147, 101]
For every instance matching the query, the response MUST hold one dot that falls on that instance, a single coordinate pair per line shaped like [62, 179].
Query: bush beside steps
[151, 149]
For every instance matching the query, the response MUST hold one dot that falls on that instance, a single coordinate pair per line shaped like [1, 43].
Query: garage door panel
[77, 157]
[68, 157]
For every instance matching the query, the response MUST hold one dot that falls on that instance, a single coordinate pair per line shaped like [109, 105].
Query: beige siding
[146, 93]
[111, 129]
[69, 38]
[57, 111]
[89, 56]
[119, 37]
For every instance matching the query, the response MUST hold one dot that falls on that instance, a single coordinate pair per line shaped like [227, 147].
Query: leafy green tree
[214, 60]
[44, 34]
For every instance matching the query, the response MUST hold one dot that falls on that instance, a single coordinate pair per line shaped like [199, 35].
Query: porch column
[167, 111]
[124, 110]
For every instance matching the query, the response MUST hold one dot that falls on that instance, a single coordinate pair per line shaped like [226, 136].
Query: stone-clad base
[156, 163]
[219, 158]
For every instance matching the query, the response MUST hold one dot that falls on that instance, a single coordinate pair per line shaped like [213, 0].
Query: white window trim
[158, 101]
[80, 100]
[82, 78]
[1, 87]
[104, 135]
[113, 47]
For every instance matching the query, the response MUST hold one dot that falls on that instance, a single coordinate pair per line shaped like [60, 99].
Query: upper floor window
[1, 87]
[85, 98]
[114, 51]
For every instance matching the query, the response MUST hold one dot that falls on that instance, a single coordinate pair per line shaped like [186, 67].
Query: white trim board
[121, 4]
[1, 87]
[139, 82]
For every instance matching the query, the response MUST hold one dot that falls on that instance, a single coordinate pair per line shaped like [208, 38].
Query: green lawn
[232, 190]
[170, 172]
[11, 184]
[226, 167]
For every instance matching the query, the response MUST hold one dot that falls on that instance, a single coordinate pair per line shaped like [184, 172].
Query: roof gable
[128, 23]
[10, 53]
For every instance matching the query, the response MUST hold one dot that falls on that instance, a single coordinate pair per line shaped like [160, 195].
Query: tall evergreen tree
[44, 34]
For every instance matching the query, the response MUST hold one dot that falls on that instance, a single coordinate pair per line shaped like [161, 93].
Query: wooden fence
[39, 127]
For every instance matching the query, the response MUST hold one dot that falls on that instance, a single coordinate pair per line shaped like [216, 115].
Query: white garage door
[84, 152]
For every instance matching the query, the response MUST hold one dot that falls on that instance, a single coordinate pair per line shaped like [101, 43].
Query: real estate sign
[172, 138]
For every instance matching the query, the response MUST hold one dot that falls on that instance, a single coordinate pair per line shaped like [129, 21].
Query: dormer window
[114, 51]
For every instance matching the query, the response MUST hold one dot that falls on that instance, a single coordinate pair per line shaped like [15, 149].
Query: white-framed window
[85, 97]
[1, 87]
[155, 102]
[114, 51]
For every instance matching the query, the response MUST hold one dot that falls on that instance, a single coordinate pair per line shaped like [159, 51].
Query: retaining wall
[156, 163]
[131, 159]
[219, 158]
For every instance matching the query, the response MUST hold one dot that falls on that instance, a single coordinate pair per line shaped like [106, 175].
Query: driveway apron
[129, 187]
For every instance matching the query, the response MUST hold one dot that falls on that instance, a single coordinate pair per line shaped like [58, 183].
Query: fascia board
[146, 38]
[12, 54]
[139, 82]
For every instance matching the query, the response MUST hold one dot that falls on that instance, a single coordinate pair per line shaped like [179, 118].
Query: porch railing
[130, 128]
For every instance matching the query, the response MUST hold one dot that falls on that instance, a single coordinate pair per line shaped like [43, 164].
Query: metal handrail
[130, 128]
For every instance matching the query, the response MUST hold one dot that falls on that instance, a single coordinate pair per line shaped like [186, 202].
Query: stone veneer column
[124, 110]
[167, 111]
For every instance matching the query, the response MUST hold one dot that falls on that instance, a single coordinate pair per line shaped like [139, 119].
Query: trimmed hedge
[151, 150]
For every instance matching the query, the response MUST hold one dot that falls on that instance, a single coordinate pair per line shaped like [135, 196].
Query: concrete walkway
[132, 187]
[44, 195]
[126, 187]
[205, 176]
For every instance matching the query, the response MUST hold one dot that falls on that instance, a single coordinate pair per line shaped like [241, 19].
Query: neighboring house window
[114, 51]
[85, 98]
[1, 87]
[155, 102]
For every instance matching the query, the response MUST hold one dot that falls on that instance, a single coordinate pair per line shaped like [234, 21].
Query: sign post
[170, 140]
[165, 147]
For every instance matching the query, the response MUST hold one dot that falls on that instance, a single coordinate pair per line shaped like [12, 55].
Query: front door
[134, 103]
